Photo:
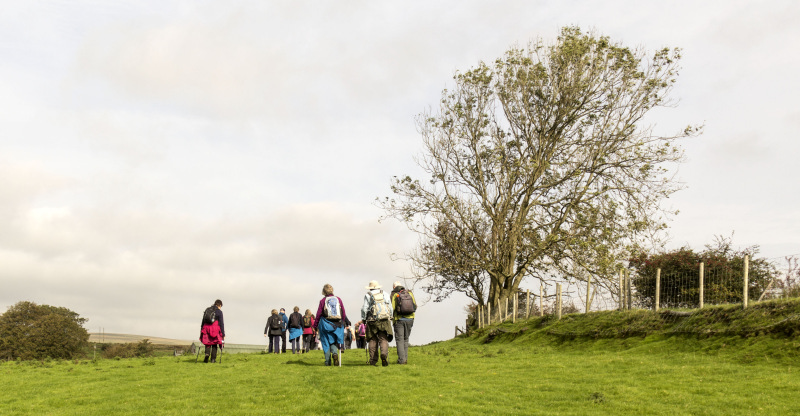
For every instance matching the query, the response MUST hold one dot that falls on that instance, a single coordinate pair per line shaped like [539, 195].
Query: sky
[158, 155]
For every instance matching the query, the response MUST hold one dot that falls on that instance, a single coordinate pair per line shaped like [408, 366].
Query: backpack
[306, 321]
[379, 309]
[362, 330]
[295, 320]
[275, 322]
[209, 315]
[405, 303]
[333, 309]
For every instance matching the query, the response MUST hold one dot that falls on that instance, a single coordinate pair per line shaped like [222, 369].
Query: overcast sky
[158, 155]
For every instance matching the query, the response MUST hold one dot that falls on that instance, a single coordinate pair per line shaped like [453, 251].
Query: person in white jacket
[377, 313]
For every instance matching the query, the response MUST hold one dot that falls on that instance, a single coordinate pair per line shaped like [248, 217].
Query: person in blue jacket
[283, 329]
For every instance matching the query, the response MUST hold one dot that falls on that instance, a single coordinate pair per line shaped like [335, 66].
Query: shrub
[680, 275]
[34, 332]
[142, 348]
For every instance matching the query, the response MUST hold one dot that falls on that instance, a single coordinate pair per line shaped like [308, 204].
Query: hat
[397, 284]
[373, 284]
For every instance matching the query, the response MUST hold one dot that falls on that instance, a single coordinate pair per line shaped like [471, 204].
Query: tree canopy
[539, 160]
[30, 331]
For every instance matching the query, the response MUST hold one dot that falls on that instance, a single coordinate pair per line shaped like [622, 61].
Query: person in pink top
[308, 330]
[212, 335]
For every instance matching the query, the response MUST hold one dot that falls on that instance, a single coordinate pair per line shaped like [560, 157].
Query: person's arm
[365, 307]
[221, 321]
[319, 313]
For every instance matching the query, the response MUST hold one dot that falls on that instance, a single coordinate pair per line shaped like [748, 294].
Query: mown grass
[507, 369]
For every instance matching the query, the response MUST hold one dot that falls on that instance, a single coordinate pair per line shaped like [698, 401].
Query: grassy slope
[533, 367]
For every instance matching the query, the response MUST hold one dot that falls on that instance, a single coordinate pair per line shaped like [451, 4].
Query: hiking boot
[335, 358]
[384, 362]
[206, 360]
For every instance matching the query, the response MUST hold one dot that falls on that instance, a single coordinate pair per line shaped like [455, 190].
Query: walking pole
[221, 350]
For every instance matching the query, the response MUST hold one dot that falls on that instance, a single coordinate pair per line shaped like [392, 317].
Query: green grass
[508, 369]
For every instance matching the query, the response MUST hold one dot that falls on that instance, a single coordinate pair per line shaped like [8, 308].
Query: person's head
[297, 309]
[274, 311]
[308, 311]
[283, 310]
[373, 284]
[397, 284]
[218, 303]
[327, 290]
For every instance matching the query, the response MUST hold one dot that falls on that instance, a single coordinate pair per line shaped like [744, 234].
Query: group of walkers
[383, 318]
[300, 328]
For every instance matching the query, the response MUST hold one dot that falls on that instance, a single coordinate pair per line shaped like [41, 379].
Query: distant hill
[110, 338]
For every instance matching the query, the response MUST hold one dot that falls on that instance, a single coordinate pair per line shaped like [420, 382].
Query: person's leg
[407, 325]
[399, 331]
[335, 354]
[326, 347]
[373, 350]
[271, 339]
[208, 353]
[283, 339]
[383, 338]
[214, 353]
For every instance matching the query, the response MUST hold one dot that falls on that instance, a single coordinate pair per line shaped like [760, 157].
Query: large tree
[538, 159]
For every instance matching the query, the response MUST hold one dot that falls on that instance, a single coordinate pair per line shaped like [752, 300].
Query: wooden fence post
[630, 288]
[528, 305]
[516, 301]
[541, 300]
[621, 290]
[702, 286]
[488, 313]
[746, 279]
[558, 300]
[588, 293]
[658, 288]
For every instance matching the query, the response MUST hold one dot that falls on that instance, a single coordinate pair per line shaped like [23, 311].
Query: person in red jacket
[213, 334]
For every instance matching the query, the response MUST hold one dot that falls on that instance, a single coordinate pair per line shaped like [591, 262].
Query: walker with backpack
[209, 317]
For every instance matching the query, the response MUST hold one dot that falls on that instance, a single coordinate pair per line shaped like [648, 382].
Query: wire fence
[676, 295]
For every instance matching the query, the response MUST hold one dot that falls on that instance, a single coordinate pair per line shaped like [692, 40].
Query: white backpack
[333, 310]
[380, 309]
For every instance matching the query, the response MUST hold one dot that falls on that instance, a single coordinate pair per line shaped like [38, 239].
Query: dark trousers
[380, 339]
[283, 341]
[307, 340]
[274, 343]
[212, 351]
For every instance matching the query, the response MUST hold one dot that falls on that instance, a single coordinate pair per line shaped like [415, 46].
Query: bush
[34, 332]
[680, 275]
[142, 348]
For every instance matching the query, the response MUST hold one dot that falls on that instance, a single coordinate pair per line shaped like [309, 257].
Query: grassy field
[520, 371]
